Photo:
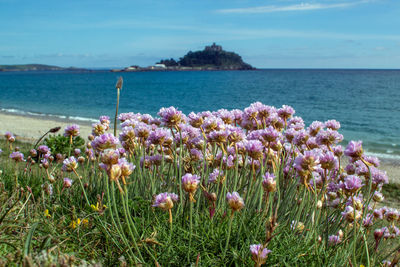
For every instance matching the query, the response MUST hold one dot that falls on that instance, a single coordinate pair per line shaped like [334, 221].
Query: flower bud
[115, 172]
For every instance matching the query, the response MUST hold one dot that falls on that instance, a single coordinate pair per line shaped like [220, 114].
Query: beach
[31, 128]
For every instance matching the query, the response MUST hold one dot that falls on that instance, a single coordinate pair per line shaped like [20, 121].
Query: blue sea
[366, 102]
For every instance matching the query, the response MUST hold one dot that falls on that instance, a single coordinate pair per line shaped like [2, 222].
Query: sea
[365, 102]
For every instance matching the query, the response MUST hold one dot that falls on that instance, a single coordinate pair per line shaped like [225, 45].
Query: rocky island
[213, 57]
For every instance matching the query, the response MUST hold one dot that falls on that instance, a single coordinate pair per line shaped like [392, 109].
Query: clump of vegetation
[59, 144]
[241, 187]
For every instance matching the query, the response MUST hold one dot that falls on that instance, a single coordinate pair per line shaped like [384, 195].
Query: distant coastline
[37, 67]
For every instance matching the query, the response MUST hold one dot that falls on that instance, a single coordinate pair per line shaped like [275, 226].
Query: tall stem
[116, 113]
[229, 234]
[191, 228]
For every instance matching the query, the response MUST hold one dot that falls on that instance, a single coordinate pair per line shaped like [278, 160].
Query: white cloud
[298, 7]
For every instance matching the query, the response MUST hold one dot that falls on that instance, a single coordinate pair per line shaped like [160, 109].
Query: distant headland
[213, 57]
[37, 67]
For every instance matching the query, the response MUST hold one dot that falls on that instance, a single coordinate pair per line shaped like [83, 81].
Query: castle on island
[214, 48]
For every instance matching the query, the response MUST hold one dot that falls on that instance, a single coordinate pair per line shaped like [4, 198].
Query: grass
[101, 220]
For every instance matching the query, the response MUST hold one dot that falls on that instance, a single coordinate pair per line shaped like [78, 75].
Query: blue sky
[269, 34]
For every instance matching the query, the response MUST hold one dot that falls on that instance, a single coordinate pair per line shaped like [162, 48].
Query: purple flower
[71, 130]
[235, 134]
[374, 161]
[146, 118]
[259, 253]
[254, 149]
[165, 201]
[195, 120]
[43, 149]
[296, 123]
[105, 141]
[349, 212]
[98, 129]
[290, 134]
[306, 162]
[10, 137]
[226, 116]
[104, 120]
[328, 161]
[392, 215]
[155, 159]
[171, 117]
[354, 149]
[270, 134]
[332, 124]
[126, 116]
[378, 196]
[352, 183]
[269, 182]
[77, 152]
[301, 137]
[212, 123]
[379, 177]
[379, 213]
[126, 167]
[237, 113]
[315, 127]
[17, 156]
[338, 151]
[334, 240]
[285, 112]
[235, 202]
[69, 164]
[368, 220]
[220, 136]
[214, 175]
[329, 137]
[190, 182]
[142, 130]
[195, 154]
[158, 136]
[67, 183]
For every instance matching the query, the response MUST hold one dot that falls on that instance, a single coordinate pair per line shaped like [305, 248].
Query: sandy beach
[29, 128]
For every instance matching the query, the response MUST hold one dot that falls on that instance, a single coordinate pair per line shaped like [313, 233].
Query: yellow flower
[97, 207]
[78, 222]
[47, 214]
[73, 224]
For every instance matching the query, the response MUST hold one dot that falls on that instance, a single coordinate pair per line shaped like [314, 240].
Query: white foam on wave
[82, 119]
[383, 155]
[35, 114]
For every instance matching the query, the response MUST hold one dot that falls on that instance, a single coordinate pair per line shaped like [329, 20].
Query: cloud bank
[298, 7]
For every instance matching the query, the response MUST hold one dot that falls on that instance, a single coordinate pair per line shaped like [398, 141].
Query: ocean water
[366, 102]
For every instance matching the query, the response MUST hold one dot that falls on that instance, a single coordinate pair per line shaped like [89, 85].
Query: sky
[267, 34]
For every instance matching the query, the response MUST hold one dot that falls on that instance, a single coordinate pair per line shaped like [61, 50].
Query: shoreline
[30, 127]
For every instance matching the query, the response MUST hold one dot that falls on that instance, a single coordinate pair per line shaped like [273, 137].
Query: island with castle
[213, 57]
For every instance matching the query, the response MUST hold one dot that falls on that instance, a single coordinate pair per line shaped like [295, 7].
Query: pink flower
[259, 253]
[235, 202]
[165, 201]
[71, 130]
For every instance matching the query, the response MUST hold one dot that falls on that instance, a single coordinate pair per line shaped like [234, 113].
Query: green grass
[31, 238]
